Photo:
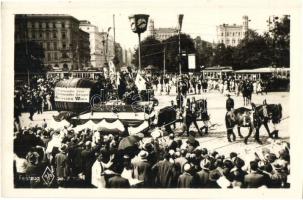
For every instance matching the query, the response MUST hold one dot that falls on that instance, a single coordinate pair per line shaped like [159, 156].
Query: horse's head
[276, 110]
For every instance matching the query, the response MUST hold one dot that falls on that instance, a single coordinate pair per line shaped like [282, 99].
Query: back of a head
[254, 165]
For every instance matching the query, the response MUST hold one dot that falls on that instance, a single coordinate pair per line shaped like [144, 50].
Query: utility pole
[164, 52]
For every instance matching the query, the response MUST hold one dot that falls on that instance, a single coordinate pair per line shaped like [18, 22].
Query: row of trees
[254, 51]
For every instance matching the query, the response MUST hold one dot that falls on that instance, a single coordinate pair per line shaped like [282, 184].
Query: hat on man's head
[239, 163]
[143, 155]
[187, 167]
[88, 143]
[205, 164]
[214, 175]
[63, 148]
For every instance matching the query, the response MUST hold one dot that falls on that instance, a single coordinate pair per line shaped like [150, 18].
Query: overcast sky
[200, 16]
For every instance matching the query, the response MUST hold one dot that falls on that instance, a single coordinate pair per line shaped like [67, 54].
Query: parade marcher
[229, 103]
[190, 117]
[204, 116]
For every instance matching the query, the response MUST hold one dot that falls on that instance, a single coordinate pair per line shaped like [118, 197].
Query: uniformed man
[229, 103]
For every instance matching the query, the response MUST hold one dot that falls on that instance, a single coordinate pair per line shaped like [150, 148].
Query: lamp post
[180, 19]
[138, 24]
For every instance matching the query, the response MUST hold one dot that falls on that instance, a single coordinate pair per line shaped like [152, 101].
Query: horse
[167, 116]
[254, 119]
[274, 113]
[240, 117]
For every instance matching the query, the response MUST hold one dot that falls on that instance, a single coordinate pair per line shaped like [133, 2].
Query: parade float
[84, 103]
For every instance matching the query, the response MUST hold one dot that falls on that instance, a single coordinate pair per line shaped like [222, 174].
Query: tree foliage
[254, 50]
[151, 53]
[28, 57]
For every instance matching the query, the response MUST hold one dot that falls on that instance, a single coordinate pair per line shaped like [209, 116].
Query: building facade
[160, 33]
[95, 40]
[107, 48]
[231, 35]
[58, 35]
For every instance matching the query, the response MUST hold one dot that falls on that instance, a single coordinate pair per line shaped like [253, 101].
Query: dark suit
[165, 174]
[229, 104]
[203, 178]
[61, 165]
[118, 182]
[254, 180]
[186, 180]
[142, 171]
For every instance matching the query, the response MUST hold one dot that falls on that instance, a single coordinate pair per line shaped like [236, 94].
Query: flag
[140, 82]
[180, 19]
[112, 67]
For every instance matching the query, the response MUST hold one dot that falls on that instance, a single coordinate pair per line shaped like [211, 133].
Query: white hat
[143, 155]
[186, 167]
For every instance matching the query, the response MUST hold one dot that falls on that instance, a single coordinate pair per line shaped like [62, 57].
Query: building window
[55, 56]
[40, 35]
[227, 34]
[222, 34]
[63, 35]
[63, 45]
[48, 46]
[54, 24]
[233, 34]
[54, 35]
[63, 25]
[233, 41]
[49, 56]
[40, 25]
[47, 35]
[55, 46]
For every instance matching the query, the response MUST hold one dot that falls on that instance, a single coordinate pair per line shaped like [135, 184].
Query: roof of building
[257, 70]
[166, 30]
[46, 16]
[218, 68]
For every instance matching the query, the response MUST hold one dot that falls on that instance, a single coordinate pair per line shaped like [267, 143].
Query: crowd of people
[92, 158]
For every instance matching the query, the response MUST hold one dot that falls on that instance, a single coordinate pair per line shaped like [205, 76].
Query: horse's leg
[229, 131]
[239, 132]
[257, 135]
[249, 134]
[267, 129]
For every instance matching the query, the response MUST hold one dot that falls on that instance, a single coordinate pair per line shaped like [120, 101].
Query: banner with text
[80, 95]
[191, 61]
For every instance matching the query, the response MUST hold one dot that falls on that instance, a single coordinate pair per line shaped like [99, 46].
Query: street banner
[140, 82]
[81, 95]
[191, 61]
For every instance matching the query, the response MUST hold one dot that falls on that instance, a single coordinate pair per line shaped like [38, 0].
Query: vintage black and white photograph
[152, 98]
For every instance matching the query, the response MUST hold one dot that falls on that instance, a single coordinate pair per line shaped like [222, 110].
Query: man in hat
[180, 161]
[229, 103]
[255, 178]
[166, 174]
[192, 143]
[203, 174]
[142, 168]
[214, 175]
[61, 163]
[117, 181]
[88, 159]
[186, 179]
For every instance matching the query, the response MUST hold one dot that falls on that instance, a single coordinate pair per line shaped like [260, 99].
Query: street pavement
[216, 139]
